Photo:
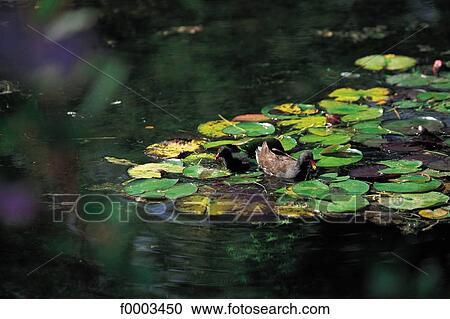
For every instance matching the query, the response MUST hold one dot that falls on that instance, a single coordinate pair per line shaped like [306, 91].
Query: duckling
[285, 166]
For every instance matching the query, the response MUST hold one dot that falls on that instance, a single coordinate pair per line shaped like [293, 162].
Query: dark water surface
[248, 55]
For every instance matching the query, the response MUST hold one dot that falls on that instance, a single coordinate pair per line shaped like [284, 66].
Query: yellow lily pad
[214, 128]
[153, 170]
[195, 204]
[119, 161]
[290, 108]
[438, 213]
[293, 211]
[173, 148]
[377, 94]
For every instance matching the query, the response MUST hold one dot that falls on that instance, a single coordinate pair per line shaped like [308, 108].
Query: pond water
[242, 56]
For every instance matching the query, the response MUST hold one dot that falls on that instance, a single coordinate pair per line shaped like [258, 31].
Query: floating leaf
[200, 172]
[410, 126]
[435, 96]
[338, 138]
[153, 170]
[250, 129]
[219, 143]
[337, 159]
[376, 94]
[412, 178]
[310, 121]
[408, 80]
[370, 114]
[390, 62]
[249, 178]
[200, 156]
[438, 213]
[341, 108]
[414, 201]
[194, 204]
[214, 128]
[371, 127]
[352, 186]
[400, 166]
[371, 173]
[440, 165]
[141, 186]
[173, 148]
[287, 142]
[341, 204]
[314, 188]
[181, 190]
[408, 104]
[119, 161]
[410, 187]
[250, 118]
[292, 211]
[290, 108]
[333, 177]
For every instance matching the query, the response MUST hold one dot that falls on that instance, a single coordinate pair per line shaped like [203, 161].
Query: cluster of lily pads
[404, 168]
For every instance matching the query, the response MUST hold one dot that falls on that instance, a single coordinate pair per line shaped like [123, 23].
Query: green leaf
[409, 187]
[409, 126]
[287, 142]
[370, 114]
[181, 190]
[414, 201]
[337, 159]
[200, 172]
[141, 186]
[400, 166]
[341, 108]
[250, 129]
[339, 138]
[314, 188]
[352, 186]
[390, 62]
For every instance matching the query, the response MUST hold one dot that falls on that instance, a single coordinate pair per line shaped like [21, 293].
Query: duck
[233, 161]
[283, 165]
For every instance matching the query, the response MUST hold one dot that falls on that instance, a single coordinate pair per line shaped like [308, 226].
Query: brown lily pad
[371, 173]
[250, 118]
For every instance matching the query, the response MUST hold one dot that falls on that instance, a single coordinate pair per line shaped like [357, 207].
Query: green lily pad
[371, 127]
[409, 126]
[341, 204]
[410, 187]
[336, 159]
[341, 108]
[181, 190]
[141, 186]
[412, 178]
[250, 129]
[200, 172]
[248, 178]
[333, 177]
[390, 62]
[214, 144]
[408, 104]
[173, 148]
[197, 157]
[370, 114]
[352, 186]
[288, 142]
[435, 96]
[414, 201]
[408, 80]
[338, 138]
[377, 94]
[400, 166]
[313, 188]
[288, 110]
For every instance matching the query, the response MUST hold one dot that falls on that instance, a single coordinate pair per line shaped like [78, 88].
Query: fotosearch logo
[209, 208]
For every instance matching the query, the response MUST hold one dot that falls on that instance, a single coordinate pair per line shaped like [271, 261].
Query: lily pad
[338, 138]
[141, 186]
[214, 128]
[351, 186]
[400, 166]
[180, 190]
[435, 96]
[306, 122]
[200, 172]
[341, 108]
[173, 148]
[344, 204]
[250, 118]
[214, 144]
[200, 156]
[410, 187]
[377, 94]
[333, 177]
[438, 213]
[153, 170]
[337, 159]
[409, 126]
[371, 173]
[288, 142]
[414, 201]
[370, 114]
[250, 129]
[371, 127]
[194, 204]
[440, 165]
[288, 110]
[293, 211]
[119, 161]
[408, 80]
[313, 188]
[390, 62]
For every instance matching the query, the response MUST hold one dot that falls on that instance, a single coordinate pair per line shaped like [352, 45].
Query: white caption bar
[229, 308]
